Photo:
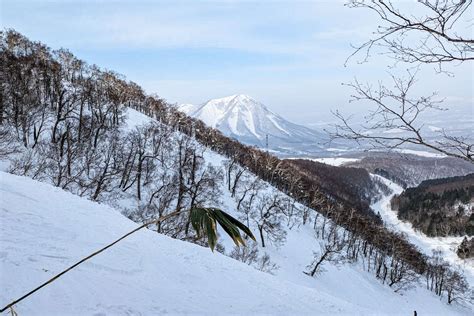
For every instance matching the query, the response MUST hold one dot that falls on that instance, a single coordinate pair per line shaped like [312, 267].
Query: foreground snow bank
[44, 230]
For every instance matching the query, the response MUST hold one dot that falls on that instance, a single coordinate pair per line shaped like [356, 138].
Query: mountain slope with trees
[353, 185]
[410, 170]
[68, 124]
[152, 274]
[439, 207]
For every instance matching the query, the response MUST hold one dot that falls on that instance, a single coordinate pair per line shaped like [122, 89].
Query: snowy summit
[244, 118]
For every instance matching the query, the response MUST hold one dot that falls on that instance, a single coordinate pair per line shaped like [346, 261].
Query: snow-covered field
[44, 229]
[333, 161]
[447, 245]
[421, 153]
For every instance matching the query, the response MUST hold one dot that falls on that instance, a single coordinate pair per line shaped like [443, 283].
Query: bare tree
[7, 142]
[234, 174]
[268, 217]
[396, 110]
[433, 32]
[330, 252]
[250, 256]
[429, 31]
[456, 286]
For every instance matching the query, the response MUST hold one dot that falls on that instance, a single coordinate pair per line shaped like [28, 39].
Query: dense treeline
[439, 207]
[353, 185]
[63, 121]
[466, 248]
[442, 184]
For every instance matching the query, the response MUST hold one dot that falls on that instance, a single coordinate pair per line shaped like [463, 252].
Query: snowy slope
[350, 282]
[45, 229]
[249, 121]
[295, 254]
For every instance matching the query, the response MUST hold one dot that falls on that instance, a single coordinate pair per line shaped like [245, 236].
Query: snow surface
[45, 229]
[135, 119]
[435, 128]
[333, 161]
[421, 153]
[447, 245]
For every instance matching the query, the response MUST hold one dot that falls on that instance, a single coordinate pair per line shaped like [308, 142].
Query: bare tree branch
[395, 111]
[432, 36]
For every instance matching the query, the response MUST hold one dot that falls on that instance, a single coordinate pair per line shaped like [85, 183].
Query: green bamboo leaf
[231, 229]
[239, 225]
[204, 221]
[196, 220]
[211, 229]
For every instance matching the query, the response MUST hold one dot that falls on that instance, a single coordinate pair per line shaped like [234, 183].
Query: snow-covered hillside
[249, 121]
[45, 229]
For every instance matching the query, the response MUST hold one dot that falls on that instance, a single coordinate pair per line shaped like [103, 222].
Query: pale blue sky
[288, 54]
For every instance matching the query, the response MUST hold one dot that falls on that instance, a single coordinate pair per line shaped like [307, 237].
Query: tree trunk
[260, 230]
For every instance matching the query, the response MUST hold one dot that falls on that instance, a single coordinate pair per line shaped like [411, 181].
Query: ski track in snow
[447, 245]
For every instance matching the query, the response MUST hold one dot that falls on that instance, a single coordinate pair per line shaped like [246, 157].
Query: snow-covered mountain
[249, 121]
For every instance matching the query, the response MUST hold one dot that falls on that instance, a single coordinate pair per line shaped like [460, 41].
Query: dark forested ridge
[62, 122]
[350, 184]
[466, 248]
[439, 207]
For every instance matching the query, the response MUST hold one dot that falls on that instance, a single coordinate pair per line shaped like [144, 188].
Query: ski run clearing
[447, 245]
